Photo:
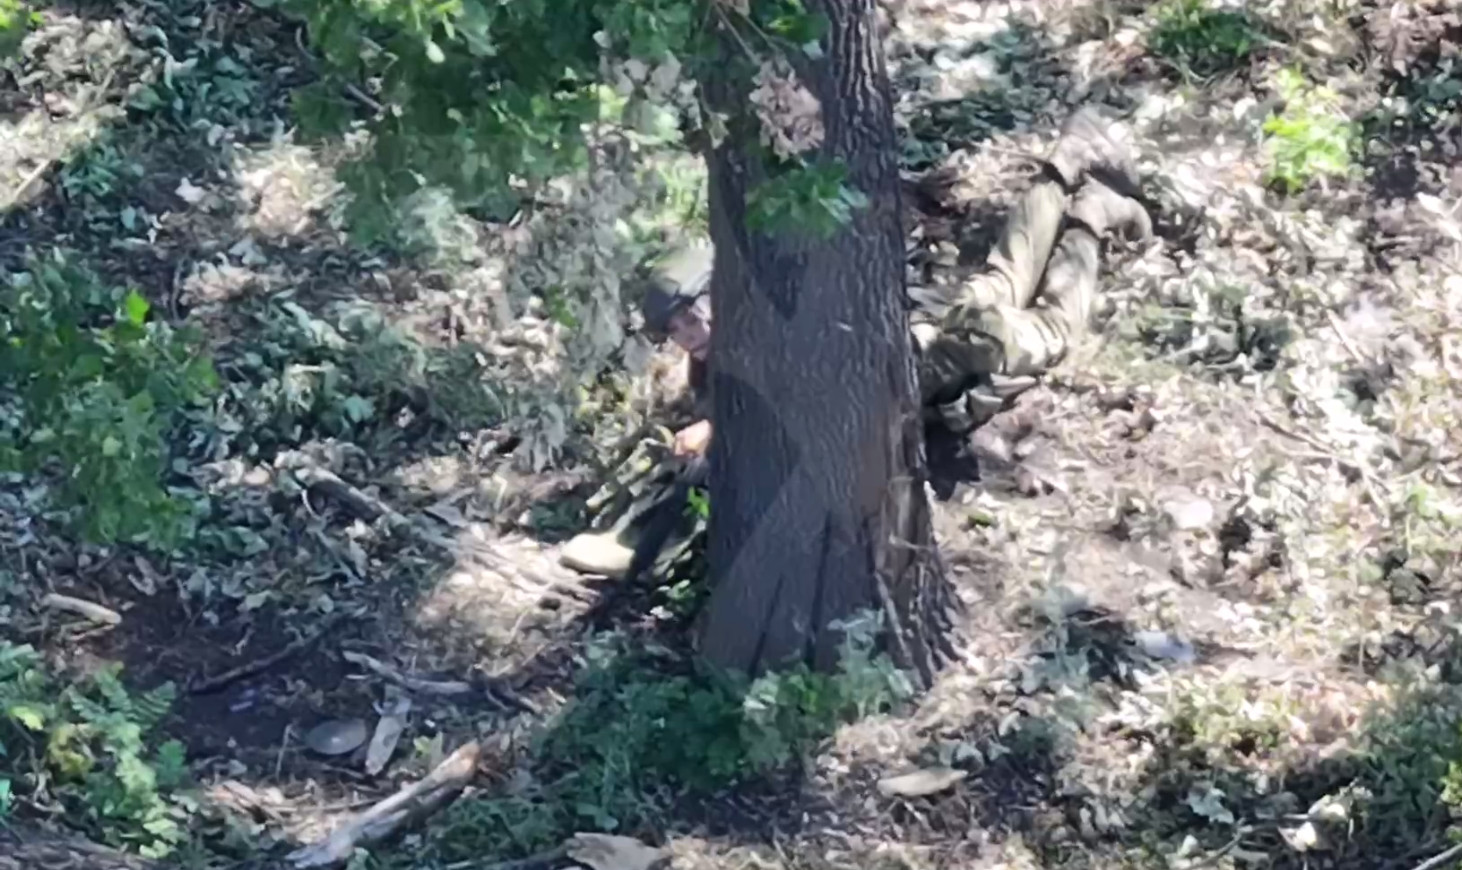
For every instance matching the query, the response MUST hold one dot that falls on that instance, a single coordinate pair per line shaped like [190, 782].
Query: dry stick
[213, 684]
[1212, 857]
[1326, 452]
[283, 746]
[1345, 341]
[412, 684]
[93, 612]
[370, 509]
[351, 89]
[1438, 860]
[411, 803]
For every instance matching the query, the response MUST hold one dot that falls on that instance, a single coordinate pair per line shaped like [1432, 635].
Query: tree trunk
[818, 507]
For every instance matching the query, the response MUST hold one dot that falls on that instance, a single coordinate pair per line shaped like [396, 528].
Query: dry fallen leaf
[388, 730]
[1305, 838]
[930, 780]
[611, 852]
[190, 193]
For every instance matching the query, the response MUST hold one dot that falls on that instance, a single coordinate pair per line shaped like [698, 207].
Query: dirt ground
[1209, 565]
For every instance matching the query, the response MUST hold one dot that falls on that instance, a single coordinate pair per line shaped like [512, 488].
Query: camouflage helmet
[679, 280]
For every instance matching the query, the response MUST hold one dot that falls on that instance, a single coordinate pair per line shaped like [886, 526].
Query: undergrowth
[90, 389]
[647, 727]
[1199, 40]
[86, 747]
[1311, 138]
[1395, 785]
[346, 374]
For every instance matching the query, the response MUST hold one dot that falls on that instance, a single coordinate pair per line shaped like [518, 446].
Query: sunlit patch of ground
[280, 189]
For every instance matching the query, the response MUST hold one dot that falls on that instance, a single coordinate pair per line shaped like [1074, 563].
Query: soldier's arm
[693, 439]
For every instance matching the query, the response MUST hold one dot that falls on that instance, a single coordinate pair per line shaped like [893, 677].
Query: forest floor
[1211, 587]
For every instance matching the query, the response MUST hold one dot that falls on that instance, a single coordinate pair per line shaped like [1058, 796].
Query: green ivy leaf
[358, 409]
[29, 717]
[136, 308]
[811, 199]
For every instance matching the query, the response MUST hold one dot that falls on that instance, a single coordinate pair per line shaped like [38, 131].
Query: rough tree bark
[817, 467]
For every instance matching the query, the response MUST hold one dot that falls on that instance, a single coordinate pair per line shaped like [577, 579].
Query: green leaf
[136, 308]
[805, 199]
[358, 409]
[28, 716]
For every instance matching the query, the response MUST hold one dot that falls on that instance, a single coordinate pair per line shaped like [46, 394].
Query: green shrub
[16, 20]
[1202, 41]
[89, 391]
[647, 726]
[1311, 138]
[87, 745]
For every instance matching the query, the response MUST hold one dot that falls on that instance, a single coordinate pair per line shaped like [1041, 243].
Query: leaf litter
[1242, 589]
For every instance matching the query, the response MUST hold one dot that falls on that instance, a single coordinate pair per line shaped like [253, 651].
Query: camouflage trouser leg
[646, 494]
[1013, 268]
[1038, 338]
[974, 341]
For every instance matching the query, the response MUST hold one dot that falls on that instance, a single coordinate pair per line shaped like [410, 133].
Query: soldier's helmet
[678, 281]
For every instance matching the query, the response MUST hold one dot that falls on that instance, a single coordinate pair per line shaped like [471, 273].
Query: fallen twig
[27, 847]
[90, 610]
[1368, 478]
[1441, 858]
[213, 684]
[411, 684]
[1345, 341]
[1213, 857]
[410, 804]
[370, 509]
[351, 89]
[330, 485]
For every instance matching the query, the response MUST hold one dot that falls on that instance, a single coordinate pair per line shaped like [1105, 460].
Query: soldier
[648, 495]
[1019, 316]
[978, 347]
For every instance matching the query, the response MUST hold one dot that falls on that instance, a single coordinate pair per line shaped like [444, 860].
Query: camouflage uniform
[648, 494]
[1020, 315]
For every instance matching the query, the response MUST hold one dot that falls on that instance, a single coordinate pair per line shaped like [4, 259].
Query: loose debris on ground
[1210, 563]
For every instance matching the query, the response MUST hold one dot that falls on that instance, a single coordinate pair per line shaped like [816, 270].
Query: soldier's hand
[693, 439]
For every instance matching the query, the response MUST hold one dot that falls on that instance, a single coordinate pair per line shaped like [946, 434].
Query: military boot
[608, 552]
[1101, 209]
[602, 553]
[1088, 148]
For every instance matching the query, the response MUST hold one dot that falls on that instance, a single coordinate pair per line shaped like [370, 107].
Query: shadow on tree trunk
[817, 465]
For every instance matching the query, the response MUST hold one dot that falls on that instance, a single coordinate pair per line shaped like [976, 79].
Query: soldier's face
[691, 331]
